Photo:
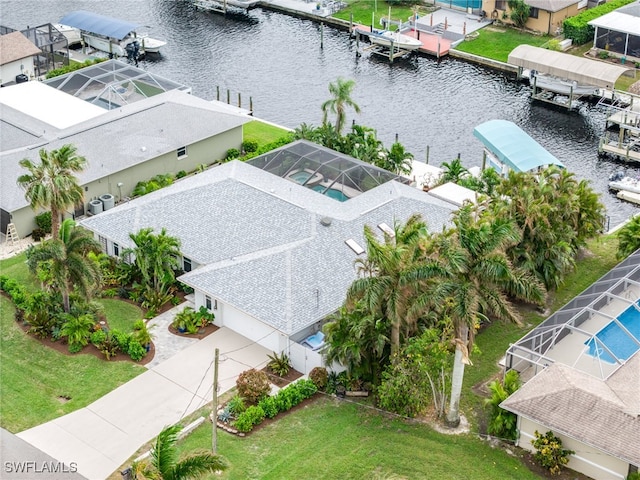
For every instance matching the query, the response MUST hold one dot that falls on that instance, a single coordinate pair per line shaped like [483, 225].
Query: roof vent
[325, 221]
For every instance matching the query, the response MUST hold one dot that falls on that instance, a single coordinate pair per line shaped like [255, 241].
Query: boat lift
[392, 52]
[221, 6]
[624, 114]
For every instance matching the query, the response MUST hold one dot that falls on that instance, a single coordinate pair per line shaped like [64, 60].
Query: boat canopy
[99, 24]
[512, 146]
[570, 67]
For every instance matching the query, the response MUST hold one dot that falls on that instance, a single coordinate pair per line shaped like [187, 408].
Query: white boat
[399, 40]
[115, 37]
[626, 184]
[73, 35]
[561, 86]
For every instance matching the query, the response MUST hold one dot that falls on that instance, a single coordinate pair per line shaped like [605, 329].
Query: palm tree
[164, 463]
[384, 286]
[629, 238]
[479, 276]
[453, 171]
[69, 265]
[51, 183]
[341, 98]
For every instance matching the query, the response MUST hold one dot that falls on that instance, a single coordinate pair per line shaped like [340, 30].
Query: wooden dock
[623, 114]
[432, 45]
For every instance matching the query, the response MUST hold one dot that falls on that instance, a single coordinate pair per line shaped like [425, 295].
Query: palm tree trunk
[453, 415]
[395, 339]
[55, 222]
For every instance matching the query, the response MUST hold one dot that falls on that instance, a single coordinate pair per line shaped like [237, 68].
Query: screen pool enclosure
[596, 332]
[323, 170]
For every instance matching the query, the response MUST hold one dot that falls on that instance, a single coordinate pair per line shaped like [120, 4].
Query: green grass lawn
[365, 10]
[497, 42]
[335, 439]
[36, 381]
[262, 132]
[120, 315]
[16, 268]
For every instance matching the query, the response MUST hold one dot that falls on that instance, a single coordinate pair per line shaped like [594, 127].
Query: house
[125, 135]
[545, 16]
[618, 32]
[270, 247]
[581, 369]
[16, 58]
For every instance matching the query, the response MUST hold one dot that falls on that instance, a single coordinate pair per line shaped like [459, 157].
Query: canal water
[277, 60]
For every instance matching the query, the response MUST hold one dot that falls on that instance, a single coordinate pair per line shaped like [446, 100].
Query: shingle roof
[602, 413]
[15, 46]
[551, 5]
[261, 240]
[120, 138]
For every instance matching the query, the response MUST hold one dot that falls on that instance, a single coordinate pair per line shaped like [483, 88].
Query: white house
[16, 58]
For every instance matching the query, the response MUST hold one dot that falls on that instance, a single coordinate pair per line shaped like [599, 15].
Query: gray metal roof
[100, 24]
[551, 5]
[120, 138]
[260, 238]
[620, 21]
[583, 70]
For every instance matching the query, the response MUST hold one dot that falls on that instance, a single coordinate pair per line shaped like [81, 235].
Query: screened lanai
[113, 83]
[596, 332]
[619, 31]
[323, 170]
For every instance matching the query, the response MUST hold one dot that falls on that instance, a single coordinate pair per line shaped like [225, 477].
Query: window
[207, 302]
[501, 4]
[116, 249]
[182, 152]
[186, 264]
[534, 12]
[103, 241]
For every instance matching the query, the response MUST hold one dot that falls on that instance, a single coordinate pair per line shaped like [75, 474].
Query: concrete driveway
[102, 436]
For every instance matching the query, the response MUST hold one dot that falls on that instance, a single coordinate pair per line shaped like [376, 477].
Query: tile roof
[602, 413]
[15, 46]
[260, 240]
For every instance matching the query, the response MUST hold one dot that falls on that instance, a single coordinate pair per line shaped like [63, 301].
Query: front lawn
[38, 384]
[16, 267]
[120, 315]
[364, 10]
[262, 132]
[333, 438]
[497, 42]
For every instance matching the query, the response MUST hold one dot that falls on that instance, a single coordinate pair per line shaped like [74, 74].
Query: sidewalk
[102, 436]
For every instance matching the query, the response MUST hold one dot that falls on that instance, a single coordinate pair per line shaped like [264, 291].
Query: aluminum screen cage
[596, 332]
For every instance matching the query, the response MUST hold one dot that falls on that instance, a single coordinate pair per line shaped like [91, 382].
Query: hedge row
[578, 29]
[16, 291]
[269, 407]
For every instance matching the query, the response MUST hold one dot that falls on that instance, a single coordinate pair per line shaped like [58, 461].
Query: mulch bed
[279, 381]
[203, 332]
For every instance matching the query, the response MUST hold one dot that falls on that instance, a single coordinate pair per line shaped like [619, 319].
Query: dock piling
[321, 35]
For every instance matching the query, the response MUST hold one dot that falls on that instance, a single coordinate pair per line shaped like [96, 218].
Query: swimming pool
[300, 177]
[616, 339]
[332, 193]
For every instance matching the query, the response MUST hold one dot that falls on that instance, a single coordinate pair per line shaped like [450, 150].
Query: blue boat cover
[512, 146]
[99, 24]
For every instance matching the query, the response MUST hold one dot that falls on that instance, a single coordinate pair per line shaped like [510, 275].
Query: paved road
[102, 436]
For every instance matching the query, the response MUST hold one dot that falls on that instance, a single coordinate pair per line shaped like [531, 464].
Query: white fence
[304, 359]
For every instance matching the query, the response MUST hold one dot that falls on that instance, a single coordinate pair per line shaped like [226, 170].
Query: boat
[625, 184]
[115, 37]
[73, 35]
[400, 41]
[561, 86]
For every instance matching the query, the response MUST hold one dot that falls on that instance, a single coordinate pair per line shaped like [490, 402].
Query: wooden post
[214, 433]
[357, 43]
[427, 155]
[322, 35]
[251, 104]
[228, 97]
[218, 92]
[351, 23]
[391, 52]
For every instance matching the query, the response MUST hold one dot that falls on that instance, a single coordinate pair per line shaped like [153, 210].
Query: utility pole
[214, 438]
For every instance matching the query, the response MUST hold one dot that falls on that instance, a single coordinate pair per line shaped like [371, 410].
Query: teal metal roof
[512, 146]
[94, 23]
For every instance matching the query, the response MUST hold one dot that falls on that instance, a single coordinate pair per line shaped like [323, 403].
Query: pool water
[300, 177]
[332, 193]
[616, 339]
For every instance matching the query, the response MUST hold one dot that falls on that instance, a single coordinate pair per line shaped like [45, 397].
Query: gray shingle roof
[602, 413]
[15, 46]
[260, 238]
[551, 5]
[114, 141]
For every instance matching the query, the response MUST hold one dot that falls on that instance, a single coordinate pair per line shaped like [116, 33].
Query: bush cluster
[73, 66]
[549, 452]
[16, 292]
[253, 385]
[269, 407]
[319, 377]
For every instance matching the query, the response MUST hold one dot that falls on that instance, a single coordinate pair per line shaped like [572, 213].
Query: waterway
[277, 60]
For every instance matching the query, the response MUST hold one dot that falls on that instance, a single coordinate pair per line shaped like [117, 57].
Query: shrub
[43, 221]
[232, 153]
[501, 422]
[109, 346]
[136, 351]
[181, 174]
[75, 347]
[38, 234]
[17, 292]
[122, 339]
[279, 364]
[77, 329]
[549, 452]
[633, 476]
[249, 146]
[98, 337]
[319, 377]
[236, 405]
[253, 385]
[269, 406]
[603, 54]
[73, 66]
[251, 417]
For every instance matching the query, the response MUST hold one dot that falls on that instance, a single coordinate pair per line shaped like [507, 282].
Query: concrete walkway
[102, 436]
[166, 343]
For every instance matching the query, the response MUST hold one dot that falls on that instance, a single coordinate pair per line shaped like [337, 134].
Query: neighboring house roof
[100, 24]
[513, 146]
[551, 5]
[260, 240]
[117, 139]
[15, 46]
[604, 414]
[565, 66]
[620, 21]
[20, 460]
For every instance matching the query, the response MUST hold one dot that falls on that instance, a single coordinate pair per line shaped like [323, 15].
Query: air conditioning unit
[108, 201]
[95, 207]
